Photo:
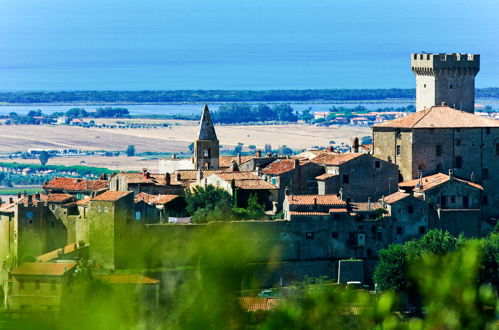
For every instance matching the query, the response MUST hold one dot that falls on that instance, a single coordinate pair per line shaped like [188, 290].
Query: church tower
[206, 147]
[445, 78]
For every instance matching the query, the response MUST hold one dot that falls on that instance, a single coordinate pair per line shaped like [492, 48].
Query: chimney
[37, 196]
[25, 193]
[444, 104]
[315, 201]
[179, 177]
[233, 166]
[356, 145]
[472, 177]
[330, 149]
[19, 195]
[451, 174]
[383, 201]
[369, 203]
[174, 156]
[30, 199]
[259, 153]
[268, 155]
[258, 170]
[297, 163]
[167, 179]
[239, 158]
[286, 191]
[199, 176]
[11, 200]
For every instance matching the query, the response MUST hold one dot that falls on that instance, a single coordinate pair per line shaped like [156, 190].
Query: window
[410, 209]
[438, 150]
[453, 199]
[377, 164]
[351, 236]
[52, 207]
[106, 209]
[206, 153]
[37, 285]
[52, 285]
[398, 150]
[459, 162]
[466, 202]
[485, 200]
[487, 130]
[379, 236]
[334, 235]
[422, 230]
[424, 86]
[399, 230]
[273, 181]
[98, 208]
[345, 178]
[309, 235]
[450, 86]
[397, 133]
[485, 174]
[137, 216]
[458, 142]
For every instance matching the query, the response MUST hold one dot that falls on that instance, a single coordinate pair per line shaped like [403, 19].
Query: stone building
[295, 175]
[453, 204]
[448, 78]
[41, 286]
[158, 208]
[75, 186]
[150, 183]
[440, 139]
[357, 176]
[206, 147]
[109, 215]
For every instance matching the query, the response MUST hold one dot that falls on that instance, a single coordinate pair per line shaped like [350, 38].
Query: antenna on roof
[420, 182]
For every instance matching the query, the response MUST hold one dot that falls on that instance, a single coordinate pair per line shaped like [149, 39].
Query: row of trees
[244, 112]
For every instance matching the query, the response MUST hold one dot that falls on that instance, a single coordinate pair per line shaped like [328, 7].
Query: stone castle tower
[206, 147]
[448, 78]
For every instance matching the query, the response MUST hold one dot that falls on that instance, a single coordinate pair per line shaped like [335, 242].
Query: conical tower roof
[206, 128]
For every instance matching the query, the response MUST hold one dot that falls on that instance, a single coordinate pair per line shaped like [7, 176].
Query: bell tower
[206, 147]
[445, 78]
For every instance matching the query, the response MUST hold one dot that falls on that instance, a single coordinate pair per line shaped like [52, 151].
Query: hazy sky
[182, 44]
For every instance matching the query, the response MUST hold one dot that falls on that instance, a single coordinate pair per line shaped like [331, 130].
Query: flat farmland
[174, 138]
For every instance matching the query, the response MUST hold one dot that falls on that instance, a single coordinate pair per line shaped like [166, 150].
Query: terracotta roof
[54, 254]
[44, 268]
[325, 176]
[111, 196]
[246, 180]
[83, 202]
[251, 304]
[440, 117]
[342, 210]
[281, 166]
[75, 184]
[224, 161]
[7, 207]
[335, 158]
[395, 197]
[432, 181]
[56, 198]
[155, 199]
[127, 279]
[315, 199]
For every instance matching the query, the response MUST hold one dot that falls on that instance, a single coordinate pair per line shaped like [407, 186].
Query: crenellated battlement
[430, 64]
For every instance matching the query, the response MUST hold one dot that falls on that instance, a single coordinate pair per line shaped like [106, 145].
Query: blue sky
[172, 44]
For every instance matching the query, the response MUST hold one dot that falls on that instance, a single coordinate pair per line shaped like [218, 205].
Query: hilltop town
[327, 211]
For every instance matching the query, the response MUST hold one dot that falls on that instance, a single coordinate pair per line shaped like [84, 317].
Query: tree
[43, 157]
[208, 203]
[238, 148]
[130, 151]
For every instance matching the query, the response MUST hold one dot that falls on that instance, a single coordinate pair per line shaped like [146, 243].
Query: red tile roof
[7, 207]
[281, 166]
[432, 181]
[246, 180]
[325, 176]
[191, 175]
[365, 206]
[155, 199]
[341, 210]
[225, 161]
[111, 196]
[54, 254]
[334, 159]
[75, 184]
[440, 117]
[127, 279]
[57, 198]
[44, 268]
[395, 197]
[315, 199]
[150, 178]
[83, 202]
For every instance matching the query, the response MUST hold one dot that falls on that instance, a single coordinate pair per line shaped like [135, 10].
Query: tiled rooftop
[111, 196]
[432, 181]
[75, 184]
[325, 176]
[127, 279]
[57, 198]
[251, 304]
[395, 197]
[315, 199]
[440, 117]
[224, 161]
[246, 180]
[334, 159]
[44, 268]
[155, 199]
[281, 166]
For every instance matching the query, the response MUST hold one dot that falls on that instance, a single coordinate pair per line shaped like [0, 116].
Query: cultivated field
[175, 138]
